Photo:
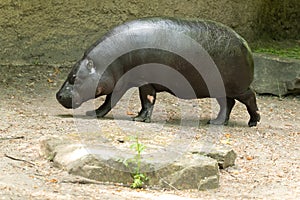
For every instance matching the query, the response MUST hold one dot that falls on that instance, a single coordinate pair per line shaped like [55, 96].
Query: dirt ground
[267, 167]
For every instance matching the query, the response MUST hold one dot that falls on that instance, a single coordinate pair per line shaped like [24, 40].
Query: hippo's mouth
[69, 104]
[76, 104]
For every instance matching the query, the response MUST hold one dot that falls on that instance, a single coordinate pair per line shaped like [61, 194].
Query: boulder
[224, 155]
[103, 163]
[277, 76]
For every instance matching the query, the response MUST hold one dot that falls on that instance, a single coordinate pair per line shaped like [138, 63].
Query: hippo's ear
[98, 90]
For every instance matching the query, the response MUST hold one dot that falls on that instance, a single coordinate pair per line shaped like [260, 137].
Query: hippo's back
[214, 37]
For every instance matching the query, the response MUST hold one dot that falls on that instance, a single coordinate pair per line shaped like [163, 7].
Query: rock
[277, 76]
[104, 163]
[294, 85]
[78, 159]
[48, 145]
[224, 155]
[195, 172]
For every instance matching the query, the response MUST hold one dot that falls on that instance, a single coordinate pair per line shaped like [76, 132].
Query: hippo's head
[83, 83]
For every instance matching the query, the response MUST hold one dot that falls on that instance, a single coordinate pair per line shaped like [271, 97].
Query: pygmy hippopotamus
[189, 59]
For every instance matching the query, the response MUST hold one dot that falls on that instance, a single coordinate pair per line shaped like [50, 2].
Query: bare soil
[267, 167]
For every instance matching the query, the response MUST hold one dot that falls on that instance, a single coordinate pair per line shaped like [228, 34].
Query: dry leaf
[130, 113]
[53, 180]
[236, 172]
[56, 71]
[50, 80]
[197, 137]
[280, 175]
[227, 141]
[249, 157]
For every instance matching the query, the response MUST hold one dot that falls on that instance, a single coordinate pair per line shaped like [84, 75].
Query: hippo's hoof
[218, 122]
[254, 119]
[252, 123]
[141, 119]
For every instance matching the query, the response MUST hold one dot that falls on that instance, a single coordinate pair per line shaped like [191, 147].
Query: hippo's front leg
[147, 97]
[103, 109]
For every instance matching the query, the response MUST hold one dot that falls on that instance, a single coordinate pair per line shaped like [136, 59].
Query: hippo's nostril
[64, 100]
[59, 96]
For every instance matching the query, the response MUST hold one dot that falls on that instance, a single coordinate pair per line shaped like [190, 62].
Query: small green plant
[36, 61]
[139, 178]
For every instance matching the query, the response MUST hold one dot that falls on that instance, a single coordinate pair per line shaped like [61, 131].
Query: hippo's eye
[90, 65]
[72, 79]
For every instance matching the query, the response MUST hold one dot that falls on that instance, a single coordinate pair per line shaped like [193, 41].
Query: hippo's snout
[65, 96]
[63, 100]
[67, 101]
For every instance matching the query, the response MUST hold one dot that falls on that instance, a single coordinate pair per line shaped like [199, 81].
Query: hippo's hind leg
[226, 105]
[147, 97]
[248, 98]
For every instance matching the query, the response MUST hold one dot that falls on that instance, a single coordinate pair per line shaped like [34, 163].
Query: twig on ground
[82, 180]
[12, 138]
[230, 174]
[17, 159]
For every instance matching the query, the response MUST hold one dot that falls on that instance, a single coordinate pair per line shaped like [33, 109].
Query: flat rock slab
[277, 76]
[224, 155]
[196, 169]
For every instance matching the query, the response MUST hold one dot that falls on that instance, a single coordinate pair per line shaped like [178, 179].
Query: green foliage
[139, 178]
[286, 49]
[36, 62]
[288, 53]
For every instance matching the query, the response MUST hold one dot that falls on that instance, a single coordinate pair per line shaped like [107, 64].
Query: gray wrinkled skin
[131, 45]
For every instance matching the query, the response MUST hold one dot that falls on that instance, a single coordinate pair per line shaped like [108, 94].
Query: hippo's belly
[233, 73]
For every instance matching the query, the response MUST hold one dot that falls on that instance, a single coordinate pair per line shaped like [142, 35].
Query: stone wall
[280, 19]
[58, 31]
